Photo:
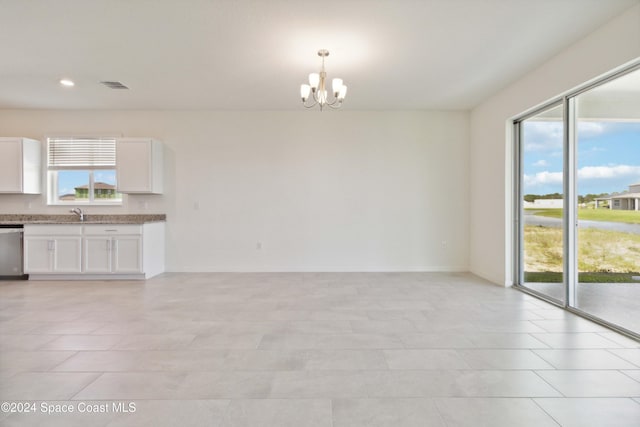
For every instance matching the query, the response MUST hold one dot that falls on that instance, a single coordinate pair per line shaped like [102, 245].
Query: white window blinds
[75, 153]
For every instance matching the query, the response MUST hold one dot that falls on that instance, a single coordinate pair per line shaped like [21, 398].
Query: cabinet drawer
[52, 230]
[113, 229]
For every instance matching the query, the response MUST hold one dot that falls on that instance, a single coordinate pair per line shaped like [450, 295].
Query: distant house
[101, 190]
[629, 201]
[544, 204]
[67, 197]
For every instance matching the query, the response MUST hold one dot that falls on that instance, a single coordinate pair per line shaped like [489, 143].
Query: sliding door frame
[570, 199]
[518, 213]
[570, 203]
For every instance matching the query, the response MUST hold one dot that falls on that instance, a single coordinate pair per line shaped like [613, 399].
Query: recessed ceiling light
[67, 82]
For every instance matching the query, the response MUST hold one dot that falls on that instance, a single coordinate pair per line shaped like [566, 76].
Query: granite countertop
[73, 219]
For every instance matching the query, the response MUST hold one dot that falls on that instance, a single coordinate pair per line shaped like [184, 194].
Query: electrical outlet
[259, 245]
[445, 244]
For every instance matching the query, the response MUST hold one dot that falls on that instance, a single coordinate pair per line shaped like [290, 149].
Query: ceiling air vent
[114, 85]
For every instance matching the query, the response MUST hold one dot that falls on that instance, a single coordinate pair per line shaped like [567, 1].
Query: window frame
[52, 176]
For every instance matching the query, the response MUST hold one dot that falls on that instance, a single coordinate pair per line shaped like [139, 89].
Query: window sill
[85, 204]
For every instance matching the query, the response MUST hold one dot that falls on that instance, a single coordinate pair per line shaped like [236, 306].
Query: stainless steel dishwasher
[11, 267]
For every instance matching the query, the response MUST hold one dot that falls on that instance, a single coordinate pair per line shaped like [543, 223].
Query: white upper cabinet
[139, 163]
[20, 166]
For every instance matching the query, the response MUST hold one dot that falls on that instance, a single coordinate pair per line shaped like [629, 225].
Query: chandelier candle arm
[317, 88]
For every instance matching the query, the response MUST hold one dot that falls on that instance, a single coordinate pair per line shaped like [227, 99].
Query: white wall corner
[607, 48]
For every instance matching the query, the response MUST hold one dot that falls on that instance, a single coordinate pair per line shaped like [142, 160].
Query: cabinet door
[38, 254]
[97, 254]
[10, 166]
[127, 254]
[67, 255]
[133, 166]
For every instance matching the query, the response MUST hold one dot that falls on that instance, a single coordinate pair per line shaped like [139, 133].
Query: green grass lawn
[551, 277]
[629, 217]
[603, 255]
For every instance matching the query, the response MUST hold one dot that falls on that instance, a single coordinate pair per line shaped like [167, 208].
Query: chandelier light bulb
[314, 80]
[316, 91]
[342, 93]
[336, 84]
[304, 91]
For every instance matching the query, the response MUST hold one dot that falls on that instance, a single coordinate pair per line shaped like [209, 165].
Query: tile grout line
[547, 382]
[52, 369]
[331, 409]
[98, 375]
[535, 402]
[622, 358]
[627, 375]
[439, 411]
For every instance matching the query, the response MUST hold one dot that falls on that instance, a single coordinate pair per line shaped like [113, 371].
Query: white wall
[331, 191]
[611, 46]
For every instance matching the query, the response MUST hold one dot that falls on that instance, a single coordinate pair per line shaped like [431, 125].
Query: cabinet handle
[108, 245]
[51, 245]
[111, 230]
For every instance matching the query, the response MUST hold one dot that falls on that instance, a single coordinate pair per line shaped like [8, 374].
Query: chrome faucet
[78, 212]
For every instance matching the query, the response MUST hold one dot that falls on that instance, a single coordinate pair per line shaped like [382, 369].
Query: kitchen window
[82, 171]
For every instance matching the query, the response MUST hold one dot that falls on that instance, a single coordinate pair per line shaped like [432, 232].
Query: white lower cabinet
[113, 249]
[112, 254]
[97, 254]
[53, 250]
[127, 254]
[94, 251]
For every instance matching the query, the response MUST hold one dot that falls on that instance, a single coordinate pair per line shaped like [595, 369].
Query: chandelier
[318, 90]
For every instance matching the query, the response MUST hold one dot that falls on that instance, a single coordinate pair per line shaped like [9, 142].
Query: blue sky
[608, 156]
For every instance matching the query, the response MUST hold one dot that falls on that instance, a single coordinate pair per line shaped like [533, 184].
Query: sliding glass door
[542, 261]
[578, 193]
[608, 188]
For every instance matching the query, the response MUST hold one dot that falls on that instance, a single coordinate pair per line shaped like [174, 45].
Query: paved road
[532, 219]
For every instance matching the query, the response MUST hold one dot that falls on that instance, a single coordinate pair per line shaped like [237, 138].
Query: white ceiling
[253, 54]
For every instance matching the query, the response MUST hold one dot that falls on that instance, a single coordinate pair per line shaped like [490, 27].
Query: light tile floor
[617, 303]
[303, 349]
